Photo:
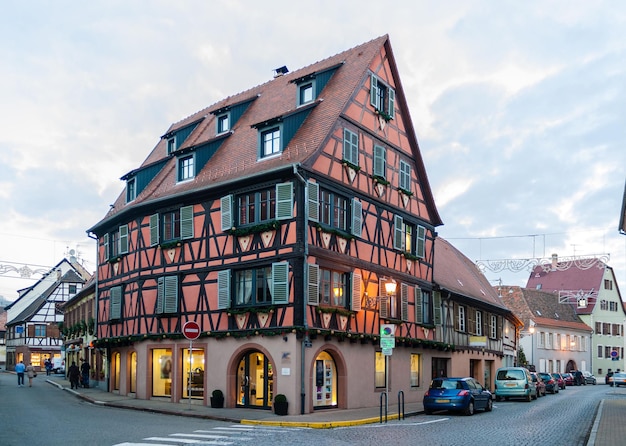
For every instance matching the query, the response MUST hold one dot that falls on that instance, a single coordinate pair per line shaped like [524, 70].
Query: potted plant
[217, 399]
[281, 406]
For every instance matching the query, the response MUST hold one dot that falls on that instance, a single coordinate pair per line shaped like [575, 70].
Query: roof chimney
[280, 71]
[555, 261]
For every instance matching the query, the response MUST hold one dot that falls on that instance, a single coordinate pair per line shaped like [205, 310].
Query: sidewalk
[609, 428]
[322, 419]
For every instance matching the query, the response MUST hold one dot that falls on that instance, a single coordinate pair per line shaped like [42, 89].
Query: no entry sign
[191, 330]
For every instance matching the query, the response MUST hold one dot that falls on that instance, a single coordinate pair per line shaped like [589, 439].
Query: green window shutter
[284, 201]
[419, 315]
[404, 302]
[421, 241]
[383, 307]
[115, 309]
[374, 91]
[398, 233]
[160, 295]
[186, 222]
[313, 285]
[154, 229]
[223, 289]
[356, 292]
[391, 111]
[105, 242]
[170, 302]
[405, 176]
[313, 194]
[357, 217]
[351, 147]
[380, 161]
[226, 204]
[123, 239]
[437, 308]
[280, 283]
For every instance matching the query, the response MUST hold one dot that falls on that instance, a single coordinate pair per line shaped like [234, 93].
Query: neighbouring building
[555, 339]
[590, 287]
[33, 319]
[470, 315]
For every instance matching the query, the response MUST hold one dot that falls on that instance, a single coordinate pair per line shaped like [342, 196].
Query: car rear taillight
[463, 393]
[527, 386]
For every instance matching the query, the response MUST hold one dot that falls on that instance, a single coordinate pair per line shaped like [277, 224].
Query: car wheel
[428, 411]
[469, 410]
[498, 398]
[489, 405]
[530, 397]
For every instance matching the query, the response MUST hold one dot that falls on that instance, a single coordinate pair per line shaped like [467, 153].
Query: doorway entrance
[255, 380]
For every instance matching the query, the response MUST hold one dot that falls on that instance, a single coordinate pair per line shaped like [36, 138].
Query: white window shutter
[284, 201]
[105, 242]
[226, 204]
[398, 233]
[280, 283]
[154, 229]
[123, 248]
[223, 289]
[186, 222]
[356, 292]
[419, 317]
[313, 200]
[437, 308]
[404, 302]
[357, 217]
[313, 284]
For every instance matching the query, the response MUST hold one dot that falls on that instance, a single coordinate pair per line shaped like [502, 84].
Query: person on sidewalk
[84, 370]
[48, 364]
[73, 374]
[30, 371]
[20, 369]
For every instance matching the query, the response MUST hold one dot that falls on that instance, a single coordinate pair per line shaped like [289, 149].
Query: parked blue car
[458, 394]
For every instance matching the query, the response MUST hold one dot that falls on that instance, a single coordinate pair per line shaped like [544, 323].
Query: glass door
[255, 379]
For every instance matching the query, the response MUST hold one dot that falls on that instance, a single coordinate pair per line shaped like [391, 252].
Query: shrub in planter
[217, 399]
[281, 406]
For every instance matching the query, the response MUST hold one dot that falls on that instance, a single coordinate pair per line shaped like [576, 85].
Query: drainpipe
[305, 282]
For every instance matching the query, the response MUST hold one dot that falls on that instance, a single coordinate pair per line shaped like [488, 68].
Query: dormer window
[223, 123]
[270, 142]
[171, 145]
[131, 190]
[305, 93]
[383, 98]
[186, 169]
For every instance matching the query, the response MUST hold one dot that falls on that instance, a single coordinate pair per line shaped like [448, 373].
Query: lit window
[381, 370]
[415, 370]
[333, 288]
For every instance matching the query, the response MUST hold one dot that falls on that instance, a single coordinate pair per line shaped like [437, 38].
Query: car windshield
[545, 377]
[446, 384]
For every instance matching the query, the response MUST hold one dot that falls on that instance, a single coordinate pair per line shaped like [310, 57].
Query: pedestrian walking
[48, 364]
[30, 371]
[20, 369]
[73, 374]
[84, 370]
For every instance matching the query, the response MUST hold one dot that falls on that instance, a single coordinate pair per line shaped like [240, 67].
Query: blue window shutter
[404, 302]
[223, 289]
[186, 222]
[357, 217]
[105, 242]
[226, 204]
[284, 201]
[398, 233]
[421, 241]
[437, 308]
[419, 316]
[170, 303]
[392, 103]
[280, 283]
[313, 199]
[123, 248]
[356, 292]
[313, 285]
[154, 229]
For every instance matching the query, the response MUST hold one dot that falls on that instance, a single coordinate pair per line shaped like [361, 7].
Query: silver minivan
[514, 382]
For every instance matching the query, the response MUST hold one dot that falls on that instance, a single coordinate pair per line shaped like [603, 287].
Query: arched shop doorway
[255, 379]
[325, 382]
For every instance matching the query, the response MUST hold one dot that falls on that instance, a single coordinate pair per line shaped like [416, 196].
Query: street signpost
[387, 343]
[191, 330]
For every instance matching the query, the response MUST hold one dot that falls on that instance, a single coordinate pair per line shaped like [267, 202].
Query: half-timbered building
[33, 320]
[291, 222]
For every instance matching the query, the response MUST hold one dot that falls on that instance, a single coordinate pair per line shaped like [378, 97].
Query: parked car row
[617, 379]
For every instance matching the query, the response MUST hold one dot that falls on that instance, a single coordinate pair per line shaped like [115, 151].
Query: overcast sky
[519, 110]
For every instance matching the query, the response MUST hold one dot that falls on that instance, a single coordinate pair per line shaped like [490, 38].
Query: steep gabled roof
[454, 272]
[542, 307]
[236, 152]
[574, 275]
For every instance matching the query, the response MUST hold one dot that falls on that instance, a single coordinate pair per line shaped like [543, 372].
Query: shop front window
[193, 370]
[255, 381]
[325, 385]
[162, 372]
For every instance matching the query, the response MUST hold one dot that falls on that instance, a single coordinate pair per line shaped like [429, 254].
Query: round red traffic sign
[191, 330]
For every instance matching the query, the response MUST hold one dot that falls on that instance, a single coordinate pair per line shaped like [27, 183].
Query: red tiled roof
[454, 272]
[574, 275]
[238, 154]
